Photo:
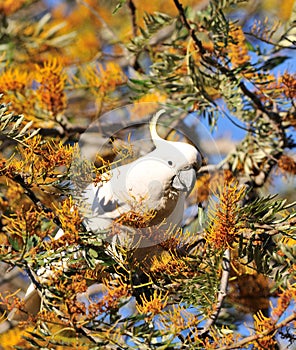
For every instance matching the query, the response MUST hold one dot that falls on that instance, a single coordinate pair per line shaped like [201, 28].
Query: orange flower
[104, 79]
[70, 219]
[10, 6]
[14, 87]
[177, 319]
[238, 51]
[224, 225]
[153, 306]
[15, 80]
[147, 104]
[116, 290]
[262, 326]
[51, 89]
[284, 300]
[44, 161]
[168, 264]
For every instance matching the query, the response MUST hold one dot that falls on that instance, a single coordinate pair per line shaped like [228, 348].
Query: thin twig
[19, 179]
[222, 292]
[180, 8]
[269, 42]
[133, 9]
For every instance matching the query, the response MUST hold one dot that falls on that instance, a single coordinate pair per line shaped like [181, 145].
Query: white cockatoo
[157, 182]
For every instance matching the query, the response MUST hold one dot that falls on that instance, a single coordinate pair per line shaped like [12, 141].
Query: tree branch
[255, 337]
[222, 292]
[223, 69]
[183, 17]
[19, 179]
[133, 9]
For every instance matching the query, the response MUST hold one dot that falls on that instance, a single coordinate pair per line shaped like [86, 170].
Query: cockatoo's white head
[183, 159]
[170, 167]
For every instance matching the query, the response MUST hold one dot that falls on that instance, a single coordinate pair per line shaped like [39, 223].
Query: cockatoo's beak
[185, 179]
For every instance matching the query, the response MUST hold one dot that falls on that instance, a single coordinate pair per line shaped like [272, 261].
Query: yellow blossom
[224, 226]
[104, 79]
[284, 300]
[8, 7]
[14, 79]
[116, 290]
[70, 219]
[51, 93]
[238, 51]
[262, 326]
[178, 319]
[153, 306]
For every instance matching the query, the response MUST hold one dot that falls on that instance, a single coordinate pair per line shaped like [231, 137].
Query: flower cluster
[169, 265]
[15, 80]
[224, 226]
[237, 48]
[178, 319]
[135, 219]
[50, 93]
[116, 291]
[285, 298]
[8, 7]
[70, 220]
[155, 305]
[104, 79]
[288, 83]
[287, 164]
[264, 326]
[15, 85]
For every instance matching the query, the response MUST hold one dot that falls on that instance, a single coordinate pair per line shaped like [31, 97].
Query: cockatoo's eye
[170, 163]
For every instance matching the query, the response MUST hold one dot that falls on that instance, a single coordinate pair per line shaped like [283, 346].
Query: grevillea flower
[224, 226]
[50, 93]
[237, 48]
[154, 305]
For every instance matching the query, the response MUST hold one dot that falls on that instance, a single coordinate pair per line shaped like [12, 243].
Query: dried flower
[284, 300]
[288, 83]
[116, 290]
[287, 164]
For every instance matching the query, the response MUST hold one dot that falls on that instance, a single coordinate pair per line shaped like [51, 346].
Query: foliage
[59, 73]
